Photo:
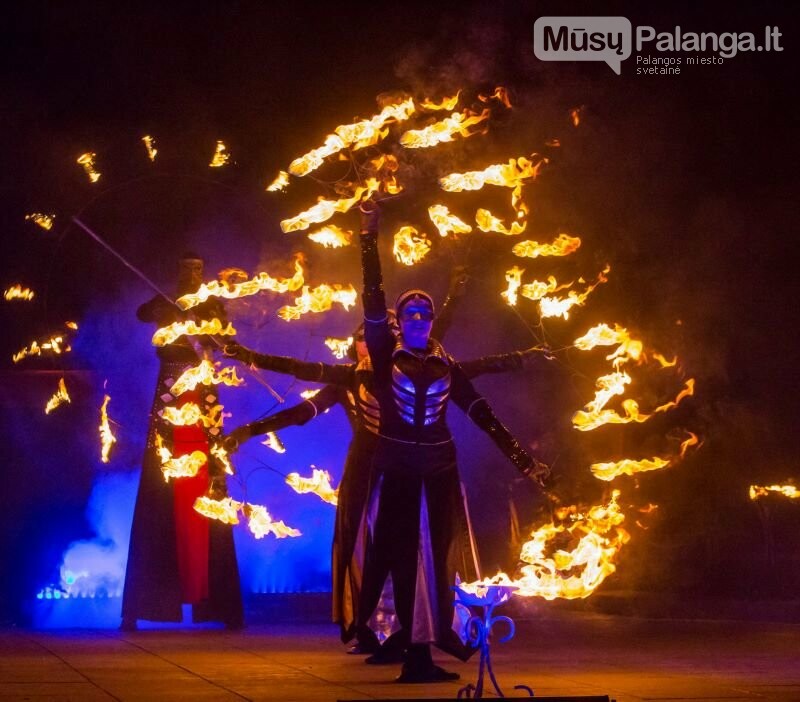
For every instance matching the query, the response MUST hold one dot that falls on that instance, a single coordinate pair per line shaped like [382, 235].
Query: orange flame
[185, 466]
[510, 175]
[691, 441]
[220, 157]
[320, 299]
[664, 362]
[53, 344]
[790, 491]
[514, 279]
[261, 523]
[331, 237]
[87, 161]
[575, 115]
[538, 289]
[170, 333]
[190, 414]
[222, 456]
[339, 347]
[500, 93]
[627, 466]
[150, 145]
[45, 221]
[205, 373]
[603, 335]
[487, 222]
[280, 183]
[410, 246]
[599, 540]
[17, 292]
[686, 392]
[560, 307]
[61, 396]
[446, 103]
[325, 209]
[355, 136]
[308, 394]
[224, 510]
[319, 483]
[447, 223]
[232, 291]
[587, 421]
[562, 245]
[444, 130]
[272, 441]
[107, 438]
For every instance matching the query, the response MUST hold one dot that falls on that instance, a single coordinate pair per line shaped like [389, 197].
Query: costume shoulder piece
[365, 364]
[434, 350]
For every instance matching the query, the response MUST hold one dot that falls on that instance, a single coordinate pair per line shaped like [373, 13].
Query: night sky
[685, 184]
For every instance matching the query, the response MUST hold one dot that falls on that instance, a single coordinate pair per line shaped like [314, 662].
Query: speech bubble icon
[606, 39]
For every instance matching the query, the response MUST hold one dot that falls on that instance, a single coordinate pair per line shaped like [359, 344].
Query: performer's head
[190, 273]
[415, 312]
[358, 351]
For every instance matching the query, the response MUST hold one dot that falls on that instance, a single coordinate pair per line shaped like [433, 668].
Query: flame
[790, 491]
[71, 325]
[170, 333]
[220, 157]
[87, 161]
[205, 373]
[222, 456]
[272, 441]
[45, 221]
[487, 222]
[444, 130]
[446, 103]
[560, 307]
[691, 441]
[410, 246]
[320, 299]
[107, 438]
[599, 540]
[447, 223]
[319, 483]
[190, 414]
[224, 510]
[325, 209]
[538, 289]
[664, 362]
[150, 145]
[510, 175]
[53, 344]
[575, 115]
[514, 279]
[627, 466]
[308, 394]
[17, 292]
[553, 143]
[687, 391]
[355, 136]
[232, 291]
[500, 93]
[587, 421]
[281, 182]
[339, 347]
[562, 245]
[185, 466]
[61, 396]
[261, 523]
[331, 237]
[603, 335]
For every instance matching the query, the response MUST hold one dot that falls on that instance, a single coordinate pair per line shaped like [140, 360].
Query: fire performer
[177, 556]
[350, 385]
[415, 552]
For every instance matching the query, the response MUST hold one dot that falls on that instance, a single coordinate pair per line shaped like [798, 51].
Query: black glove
[239, 352]
[232, 441]
[537, 471]
[458, 281]
[370, 216]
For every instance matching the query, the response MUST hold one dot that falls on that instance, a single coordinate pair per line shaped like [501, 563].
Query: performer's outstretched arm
[331, 373]
[479, 411]
[502, 362]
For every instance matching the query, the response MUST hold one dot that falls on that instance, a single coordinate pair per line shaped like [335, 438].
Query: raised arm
[455, 294]
[479, 411]
[504, 362]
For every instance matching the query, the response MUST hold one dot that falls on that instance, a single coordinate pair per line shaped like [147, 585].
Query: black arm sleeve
[378, 335]
[331, 373]
[499, 363]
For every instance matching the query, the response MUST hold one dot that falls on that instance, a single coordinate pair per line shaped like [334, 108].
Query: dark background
[685, 184]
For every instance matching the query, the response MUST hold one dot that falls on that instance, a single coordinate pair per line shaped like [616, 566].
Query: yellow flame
[319, 483]
[603, 335]
[273, 441]
[693, 440]
[331, 237]
[181, 467]
[444, 130]
[320, 299]
[190, 414]
[790, 491]
[599, 539]
[222, 456]
[170, 333]
[587, 421]
[627, 466]
[61, 396]
[446, 104]
[487, 222]
[538, 289]
[562, 245]
[205, 373]
[500, 93]
[410, 246]
[560, 307]
[514, 279]
[339, 347]
[664, 362]
[231, 291]
[687, 391]
[261, 523]
[220, 157]
[224, 510]
[308, 394]
[107, 438]
[55, 344]
[447, 223]
[45, 221]
[281, 182]
[87, 161]
[354, 136]
[17, 292]
[325, 209]
[150, 145]
[71, 325]
[575, 115]
[510, 175]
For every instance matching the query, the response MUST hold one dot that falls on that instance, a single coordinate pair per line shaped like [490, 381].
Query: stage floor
[627, 659]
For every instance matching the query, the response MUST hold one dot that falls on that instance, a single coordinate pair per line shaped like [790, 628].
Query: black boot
[419, 667]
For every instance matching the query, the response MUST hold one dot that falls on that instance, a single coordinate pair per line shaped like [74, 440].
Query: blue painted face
[416, 321]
